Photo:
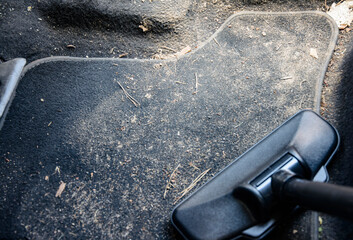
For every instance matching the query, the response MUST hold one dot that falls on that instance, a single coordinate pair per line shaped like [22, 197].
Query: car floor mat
[105, 148]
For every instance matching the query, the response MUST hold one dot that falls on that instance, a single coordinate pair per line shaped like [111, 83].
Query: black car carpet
[103, 148]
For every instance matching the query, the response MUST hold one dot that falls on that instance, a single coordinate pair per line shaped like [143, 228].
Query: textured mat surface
[72, 123]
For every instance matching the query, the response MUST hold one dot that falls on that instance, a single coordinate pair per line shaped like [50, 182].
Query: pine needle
[192, 185]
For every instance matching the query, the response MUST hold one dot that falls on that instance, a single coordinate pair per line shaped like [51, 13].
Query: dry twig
[170, 49]
[301, 102]
[238, 125]
[192, 185]
[169, 181]
[193, 165]
[196, 83]
[215, 40]
[123, 55]
[128, 96]
[178, 82]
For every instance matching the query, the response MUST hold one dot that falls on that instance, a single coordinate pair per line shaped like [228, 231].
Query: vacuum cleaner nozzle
[240, 200]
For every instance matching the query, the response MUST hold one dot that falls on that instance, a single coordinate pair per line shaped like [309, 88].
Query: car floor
[137, 29]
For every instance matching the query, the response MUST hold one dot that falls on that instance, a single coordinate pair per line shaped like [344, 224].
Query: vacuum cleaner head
[239, 201]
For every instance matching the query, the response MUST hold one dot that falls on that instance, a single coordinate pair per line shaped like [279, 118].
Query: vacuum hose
[322, 197]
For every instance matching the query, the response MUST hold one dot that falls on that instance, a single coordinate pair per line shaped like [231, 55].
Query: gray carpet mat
[126, 137]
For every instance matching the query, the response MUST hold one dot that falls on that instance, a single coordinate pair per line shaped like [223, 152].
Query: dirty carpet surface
[35, 29]
[113, 131]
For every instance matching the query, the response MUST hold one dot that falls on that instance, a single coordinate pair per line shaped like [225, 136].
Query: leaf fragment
[313, 53]
[60, 190]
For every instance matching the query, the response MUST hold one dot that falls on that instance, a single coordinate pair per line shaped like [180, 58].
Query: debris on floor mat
[342, 13]
[132, 137]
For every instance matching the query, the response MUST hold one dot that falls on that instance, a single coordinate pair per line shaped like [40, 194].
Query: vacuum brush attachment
[267, 182]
